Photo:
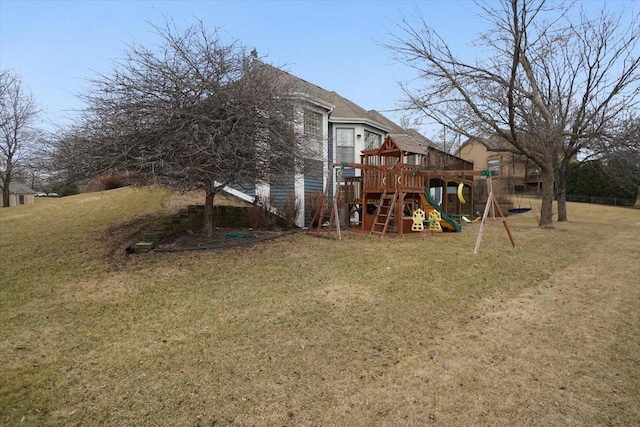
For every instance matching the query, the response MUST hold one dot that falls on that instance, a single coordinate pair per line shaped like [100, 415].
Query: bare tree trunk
[561, 197]
[6, 181]
[562, 175]
[208, 213]
[546, 211]
[5, 195]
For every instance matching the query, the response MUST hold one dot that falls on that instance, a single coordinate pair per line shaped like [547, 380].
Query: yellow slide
[446, 222]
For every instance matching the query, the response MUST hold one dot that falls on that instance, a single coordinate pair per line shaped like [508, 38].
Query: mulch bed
[221, 239]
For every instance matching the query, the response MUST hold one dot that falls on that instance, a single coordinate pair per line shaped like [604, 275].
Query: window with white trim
[345, 145]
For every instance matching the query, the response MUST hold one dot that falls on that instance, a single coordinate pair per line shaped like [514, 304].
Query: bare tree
[195, 112]
[18, 110]
[547, 87]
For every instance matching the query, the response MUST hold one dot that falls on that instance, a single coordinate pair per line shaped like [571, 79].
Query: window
[313, 130]
[371, 140]
[412, 159]
[493, 166]
[345, 145]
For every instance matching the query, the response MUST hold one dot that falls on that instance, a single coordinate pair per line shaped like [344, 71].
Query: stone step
[153, 236]
[143, 247]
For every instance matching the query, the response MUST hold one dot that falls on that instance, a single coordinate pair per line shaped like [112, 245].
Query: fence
[614, 201]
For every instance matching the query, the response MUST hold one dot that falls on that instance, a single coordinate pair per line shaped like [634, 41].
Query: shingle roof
[18, 187]
[341, 107]
[345, 110]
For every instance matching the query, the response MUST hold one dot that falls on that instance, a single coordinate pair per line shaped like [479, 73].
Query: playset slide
[447, 222]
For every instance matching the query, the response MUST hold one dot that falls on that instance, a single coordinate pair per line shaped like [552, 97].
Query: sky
[58, 46]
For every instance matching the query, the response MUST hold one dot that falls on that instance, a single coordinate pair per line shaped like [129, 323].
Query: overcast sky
[56, 46]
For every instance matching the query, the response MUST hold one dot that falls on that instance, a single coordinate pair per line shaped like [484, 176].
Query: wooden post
[471, 199]
[335, 202]
[445, 195]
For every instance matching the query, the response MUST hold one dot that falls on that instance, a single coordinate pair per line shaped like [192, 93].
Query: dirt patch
[342, 296]
[114, 287]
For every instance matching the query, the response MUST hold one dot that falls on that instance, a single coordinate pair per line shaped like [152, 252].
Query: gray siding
[313, 177]
[284, 188]
[348, 173]
[313, 174]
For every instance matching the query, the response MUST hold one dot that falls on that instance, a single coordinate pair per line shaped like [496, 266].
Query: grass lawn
[310, 331]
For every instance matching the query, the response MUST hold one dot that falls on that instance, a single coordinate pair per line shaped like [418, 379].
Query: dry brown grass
[309, 331]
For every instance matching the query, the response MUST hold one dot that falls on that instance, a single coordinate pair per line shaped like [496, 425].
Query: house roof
[16, 187]
[343, 110]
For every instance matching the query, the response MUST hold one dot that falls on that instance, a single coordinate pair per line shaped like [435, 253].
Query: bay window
[371, 140]
[313, 131]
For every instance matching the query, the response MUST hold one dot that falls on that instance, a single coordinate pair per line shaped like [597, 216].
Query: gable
[20, 188]
[340, 109]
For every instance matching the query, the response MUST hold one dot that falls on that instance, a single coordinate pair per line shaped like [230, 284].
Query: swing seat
[519, 210]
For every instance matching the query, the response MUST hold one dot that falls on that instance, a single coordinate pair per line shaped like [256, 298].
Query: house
[20, 194]
[510, 173]
[335, 131]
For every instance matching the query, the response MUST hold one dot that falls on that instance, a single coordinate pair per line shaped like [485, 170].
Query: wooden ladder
[383, 214]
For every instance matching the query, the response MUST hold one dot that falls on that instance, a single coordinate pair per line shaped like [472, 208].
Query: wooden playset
[382, 194]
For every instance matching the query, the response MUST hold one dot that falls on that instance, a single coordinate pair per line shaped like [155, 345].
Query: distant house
[20, 194]
[337, 131]
[510, 172]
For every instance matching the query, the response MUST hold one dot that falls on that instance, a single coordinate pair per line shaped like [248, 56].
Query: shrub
[110, 182]
[261, 216]
[66, 190]
[288, 212]
[312, 203]
[266, 215]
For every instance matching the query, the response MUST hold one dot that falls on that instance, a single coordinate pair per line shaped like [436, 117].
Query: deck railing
[391, 177]
[352, 189]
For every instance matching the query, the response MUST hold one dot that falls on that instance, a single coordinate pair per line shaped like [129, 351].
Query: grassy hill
[309, 331]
